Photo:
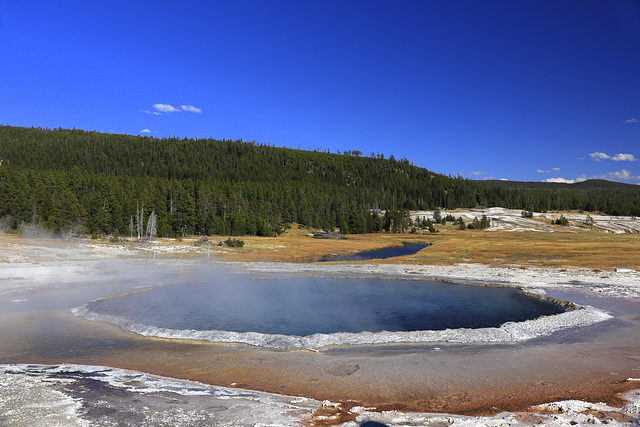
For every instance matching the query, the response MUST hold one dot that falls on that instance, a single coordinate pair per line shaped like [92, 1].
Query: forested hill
[578, 187]
[100, 183]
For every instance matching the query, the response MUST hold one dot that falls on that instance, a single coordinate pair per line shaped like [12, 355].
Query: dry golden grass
[296, 245]
[564, 249]
[528, 248]
[450, 246]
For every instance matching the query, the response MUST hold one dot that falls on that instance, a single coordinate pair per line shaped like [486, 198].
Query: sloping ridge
[587, 185]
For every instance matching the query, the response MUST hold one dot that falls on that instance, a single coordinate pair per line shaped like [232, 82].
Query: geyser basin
[314, 312]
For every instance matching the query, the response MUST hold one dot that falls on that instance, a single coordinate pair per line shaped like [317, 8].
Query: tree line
[100, 183]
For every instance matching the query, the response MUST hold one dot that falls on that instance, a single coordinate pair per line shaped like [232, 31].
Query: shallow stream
[384, 253]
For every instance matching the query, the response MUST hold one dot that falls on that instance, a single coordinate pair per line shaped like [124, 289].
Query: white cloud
[479, 175]
[547, 170]
[160, 109]
[597, 156]
[623, 175]
[563, 180]
[145, 131]
[191, 108]
[632, 121]
[624, 158]
[165, 108]
[620, 157]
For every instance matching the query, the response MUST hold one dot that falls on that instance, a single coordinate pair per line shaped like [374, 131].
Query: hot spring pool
[312, 312]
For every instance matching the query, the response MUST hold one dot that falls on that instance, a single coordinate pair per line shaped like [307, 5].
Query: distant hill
[582, 186]
[68, 179]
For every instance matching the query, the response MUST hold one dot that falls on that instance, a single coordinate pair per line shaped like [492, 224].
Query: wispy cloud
[480, 175]
[145, 131]
[547, 170]
[621, 175]
[165, 108]
[597, 156]
[161, 109]
[632, 121]
[191, 108]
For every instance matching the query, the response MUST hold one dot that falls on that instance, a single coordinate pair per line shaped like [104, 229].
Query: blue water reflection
[391, 252]
[295, 306]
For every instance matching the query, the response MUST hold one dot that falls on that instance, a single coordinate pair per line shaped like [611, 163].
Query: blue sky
[519, 90]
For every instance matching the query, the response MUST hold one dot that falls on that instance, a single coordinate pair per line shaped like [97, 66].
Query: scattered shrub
[234, 243]
[560, 221]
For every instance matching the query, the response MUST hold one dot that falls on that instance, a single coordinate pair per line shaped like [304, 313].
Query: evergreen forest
[110, 184]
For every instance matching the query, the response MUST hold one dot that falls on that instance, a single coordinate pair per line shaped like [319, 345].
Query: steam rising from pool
[310, 313]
